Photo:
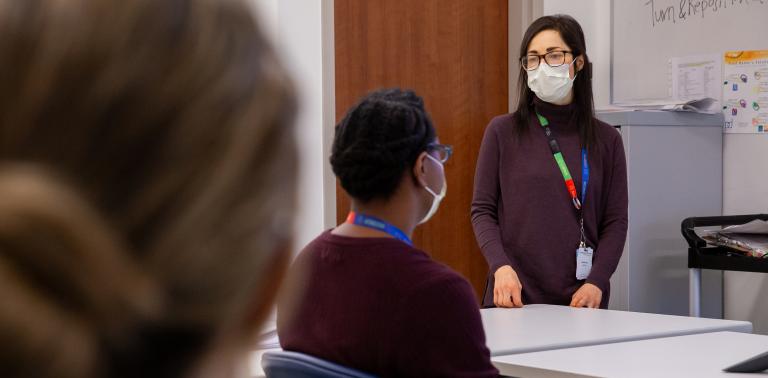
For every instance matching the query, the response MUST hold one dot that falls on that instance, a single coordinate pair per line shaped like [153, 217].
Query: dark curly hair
[378, 140]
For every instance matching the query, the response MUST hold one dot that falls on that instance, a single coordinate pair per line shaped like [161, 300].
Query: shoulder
[501, 129]
[438, 282]
[501, 120]
[608, 137]
[501, 123]
[607, 131]
[318, 243]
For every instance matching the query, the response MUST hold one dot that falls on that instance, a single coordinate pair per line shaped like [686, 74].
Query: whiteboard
[647, 33]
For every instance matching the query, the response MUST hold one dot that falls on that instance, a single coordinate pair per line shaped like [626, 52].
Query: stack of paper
[706, 105]
[750, 238]
[695, 85]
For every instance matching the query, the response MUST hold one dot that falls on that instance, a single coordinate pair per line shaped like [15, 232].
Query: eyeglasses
[553, 58]
[442, 152]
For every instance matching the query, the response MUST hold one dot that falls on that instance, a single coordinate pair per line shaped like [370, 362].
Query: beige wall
[745, 191]
[302, 31]
[595, 19]
[521, 14]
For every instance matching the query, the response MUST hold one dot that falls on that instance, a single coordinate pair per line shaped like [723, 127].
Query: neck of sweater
[559, 116]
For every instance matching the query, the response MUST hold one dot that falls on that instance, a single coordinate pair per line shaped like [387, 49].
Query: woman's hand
[588, 295]
[507, 289]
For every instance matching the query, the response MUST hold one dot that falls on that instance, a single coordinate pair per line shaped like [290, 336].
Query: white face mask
[436, 198]
[551, 84]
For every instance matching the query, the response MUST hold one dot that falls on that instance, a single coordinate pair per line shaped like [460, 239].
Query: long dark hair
[570, 31]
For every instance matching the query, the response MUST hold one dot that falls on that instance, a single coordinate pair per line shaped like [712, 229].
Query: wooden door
[454, 53]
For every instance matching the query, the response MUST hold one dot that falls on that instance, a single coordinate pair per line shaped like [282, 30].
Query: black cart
[701, 256]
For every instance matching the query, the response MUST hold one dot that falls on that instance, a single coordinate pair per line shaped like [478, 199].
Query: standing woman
[550, 199]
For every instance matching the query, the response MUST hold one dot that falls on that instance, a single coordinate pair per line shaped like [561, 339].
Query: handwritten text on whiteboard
[676, 11]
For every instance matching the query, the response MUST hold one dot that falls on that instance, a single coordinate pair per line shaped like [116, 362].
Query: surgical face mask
[551, 84]
[436, 198]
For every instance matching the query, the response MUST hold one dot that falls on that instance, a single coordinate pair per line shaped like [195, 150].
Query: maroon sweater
[522, 213]
[380, 306]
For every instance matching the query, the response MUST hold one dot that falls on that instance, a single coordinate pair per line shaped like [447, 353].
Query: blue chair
[298, 365]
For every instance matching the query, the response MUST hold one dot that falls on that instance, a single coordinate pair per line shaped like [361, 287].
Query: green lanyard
[555, 147]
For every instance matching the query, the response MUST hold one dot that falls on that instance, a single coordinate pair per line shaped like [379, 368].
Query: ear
[419, 172]
[579, 63]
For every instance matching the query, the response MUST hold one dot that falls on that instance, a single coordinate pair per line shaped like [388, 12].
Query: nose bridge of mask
[559, 71]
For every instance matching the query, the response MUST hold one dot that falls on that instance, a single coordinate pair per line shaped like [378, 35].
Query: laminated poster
[745, 91]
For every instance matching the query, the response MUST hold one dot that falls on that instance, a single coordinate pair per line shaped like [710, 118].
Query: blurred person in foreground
[146, 186]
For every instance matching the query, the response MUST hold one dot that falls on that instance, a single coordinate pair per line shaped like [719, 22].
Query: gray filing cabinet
[675, 171]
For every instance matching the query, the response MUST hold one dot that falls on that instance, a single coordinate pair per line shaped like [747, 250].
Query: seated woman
[146, 186]
[368, 298]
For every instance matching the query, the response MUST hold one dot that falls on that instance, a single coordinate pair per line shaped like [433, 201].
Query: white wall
[302, 31]
[745, 179]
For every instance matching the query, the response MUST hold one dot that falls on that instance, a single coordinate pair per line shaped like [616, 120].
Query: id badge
[583, 262]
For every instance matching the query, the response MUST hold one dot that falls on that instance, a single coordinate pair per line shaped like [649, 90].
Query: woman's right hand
[507, 289]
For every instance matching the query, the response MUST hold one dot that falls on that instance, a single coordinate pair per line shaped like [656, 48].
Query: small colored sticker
[760, 129]
[743, 78]
[735, 87]
[734, 111]
[755, 106]
[743, 103]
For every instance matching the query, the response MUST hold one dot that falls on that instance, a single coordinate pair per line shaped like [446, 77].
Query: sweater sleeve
[612, 231]
[440, 333]
[485, 201]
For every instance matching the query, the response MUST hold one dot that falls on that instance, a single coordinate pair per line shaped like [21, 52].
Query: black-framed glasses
[441, 152]
[553, 59]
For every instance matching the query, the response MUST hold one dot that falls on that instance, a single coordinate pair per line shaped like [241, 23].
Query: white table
[701, 356]
[545, 327]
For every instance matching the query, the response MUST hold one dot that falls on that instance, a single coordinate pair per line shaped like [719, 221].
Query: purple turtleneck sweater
[522, 213]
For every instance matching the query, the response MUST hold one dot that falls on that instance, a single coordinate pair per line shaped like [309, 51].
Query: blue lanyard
[377, 224]
[584, 175]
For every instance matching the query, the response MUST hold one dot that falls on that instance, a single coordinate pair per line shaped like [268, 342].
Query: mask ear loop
[426, 187]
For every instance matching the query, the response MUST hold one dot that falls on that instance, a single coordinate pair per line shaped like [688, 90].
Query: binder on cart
[701, 255]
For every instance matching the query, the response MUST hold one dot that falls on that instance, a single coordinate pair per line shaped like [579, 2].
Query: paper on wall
[745, 91]
[696, 77]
